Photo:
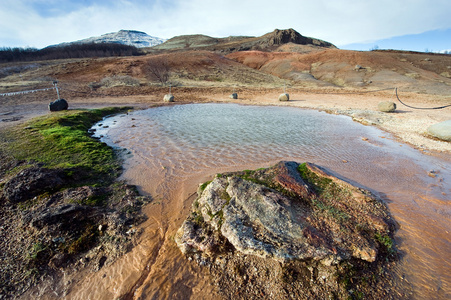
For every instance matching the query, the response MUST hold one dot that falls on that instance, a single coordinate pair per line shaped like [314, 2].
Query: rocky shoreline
[55, 222]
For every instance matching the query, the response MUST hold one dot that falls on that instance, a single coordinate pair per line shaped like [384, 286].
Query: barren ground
[322, 80]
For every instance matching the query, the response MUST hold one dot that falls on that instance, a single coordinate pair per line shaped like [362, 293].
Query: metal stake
[55, 82]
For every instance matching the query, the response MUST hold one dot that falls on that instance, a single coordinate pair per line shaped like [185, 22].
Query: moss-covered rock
[297, 218]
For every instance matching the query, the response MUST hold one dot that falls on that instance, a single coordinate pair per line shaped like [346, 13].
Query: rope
[348, 93]
[439, 107]
[25, 92]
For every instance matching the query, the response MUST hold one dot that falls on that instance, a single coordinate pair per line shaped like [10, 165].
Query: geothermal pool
[172, 149]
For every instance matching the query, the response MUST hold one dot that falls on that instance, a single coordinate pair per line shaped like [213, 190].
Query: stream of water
[174, 148]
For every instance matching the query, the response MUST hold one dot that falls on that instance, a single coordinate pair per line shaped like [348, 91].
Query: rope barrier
[348, 93]
[25, 92]
[438, 107]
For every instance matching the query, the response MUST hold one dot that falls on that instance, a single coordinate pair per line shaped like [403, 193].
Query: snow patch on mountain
[126, 37]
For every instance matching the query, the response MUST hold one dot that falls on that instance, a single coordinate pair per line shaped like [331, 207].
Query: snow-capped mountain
[127, 37]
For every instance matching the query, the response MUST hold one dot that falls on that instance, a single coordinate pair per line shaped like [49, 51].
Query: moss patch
[61, 140]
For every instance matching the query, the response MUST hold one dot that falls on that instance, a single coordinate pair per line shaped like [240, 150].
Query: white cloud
[340, 21]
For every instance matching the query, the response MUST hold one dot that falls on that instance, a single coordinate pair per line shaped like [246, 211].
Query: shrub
[119, 80]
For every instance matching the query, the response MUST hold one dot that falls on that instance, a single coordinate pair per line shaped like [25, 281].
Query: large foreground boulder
[292, 218]
[441, 130]
[58, 105]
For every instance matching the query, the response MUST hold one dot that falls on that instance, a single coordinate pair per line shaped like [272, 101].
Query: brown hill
[423, 72]
[267, 42]
[289, 59]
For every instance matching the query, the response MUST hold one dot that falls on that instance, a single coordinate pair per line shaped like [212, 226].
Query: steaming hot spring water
[171, 149]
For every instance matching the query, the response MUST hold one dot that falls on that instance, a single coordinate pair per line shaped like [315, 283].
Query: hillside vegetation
[69, 51]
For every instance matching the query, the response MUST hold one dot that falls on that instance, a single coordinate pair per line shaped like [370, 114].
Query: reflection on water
[175, 147]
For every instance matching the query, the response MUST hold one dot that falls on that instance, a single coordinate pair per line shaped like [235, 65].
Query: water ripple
[170, 144]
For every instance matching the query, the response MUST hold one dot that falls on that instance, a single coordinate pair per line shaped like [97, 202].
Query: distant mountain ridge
[134, 38]
[267, 42]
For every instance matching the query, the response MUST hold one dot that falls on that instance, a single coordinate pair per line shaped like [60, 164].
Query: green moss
[197, 218]
[253, 176]
[225, 196]
[25, 205]
[37, 251]
[386, 242]
[94, 200]
[85, 241]
[130, 209]
[220, 215]
[61, 140]
[331, 210]
[327, 194]
[204, 185]
[319, 184]
[196, 204]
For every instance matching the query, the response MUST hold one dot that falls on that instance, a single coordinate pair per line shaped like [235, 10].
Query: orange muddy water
[170, 150]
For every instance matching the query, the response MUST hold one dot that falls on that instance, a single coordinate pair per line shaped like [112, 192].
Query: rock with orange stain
[287, 212]
[291, 227]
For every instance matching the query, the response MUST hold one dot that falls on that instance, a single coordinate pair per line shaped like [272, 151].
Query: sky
[417, 25]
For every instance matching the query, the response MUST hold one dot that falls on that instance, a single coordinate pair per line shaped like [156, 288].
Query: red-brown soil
[322, 78]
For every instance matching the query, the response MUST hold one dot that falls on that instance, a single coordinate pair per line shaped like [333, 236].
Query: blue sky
[429, 41]
[417, 25]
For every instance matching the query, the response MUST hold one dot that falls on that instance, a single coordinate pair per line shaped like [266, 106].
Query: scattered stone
[358, 68]
[234, 96]
[32, 182]
[58, 260]
[386, 106]
[82, 193]
[102, 228]
[58, 105]
[284, 97]
[62, 214]
[441, 130]
[168, 98]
